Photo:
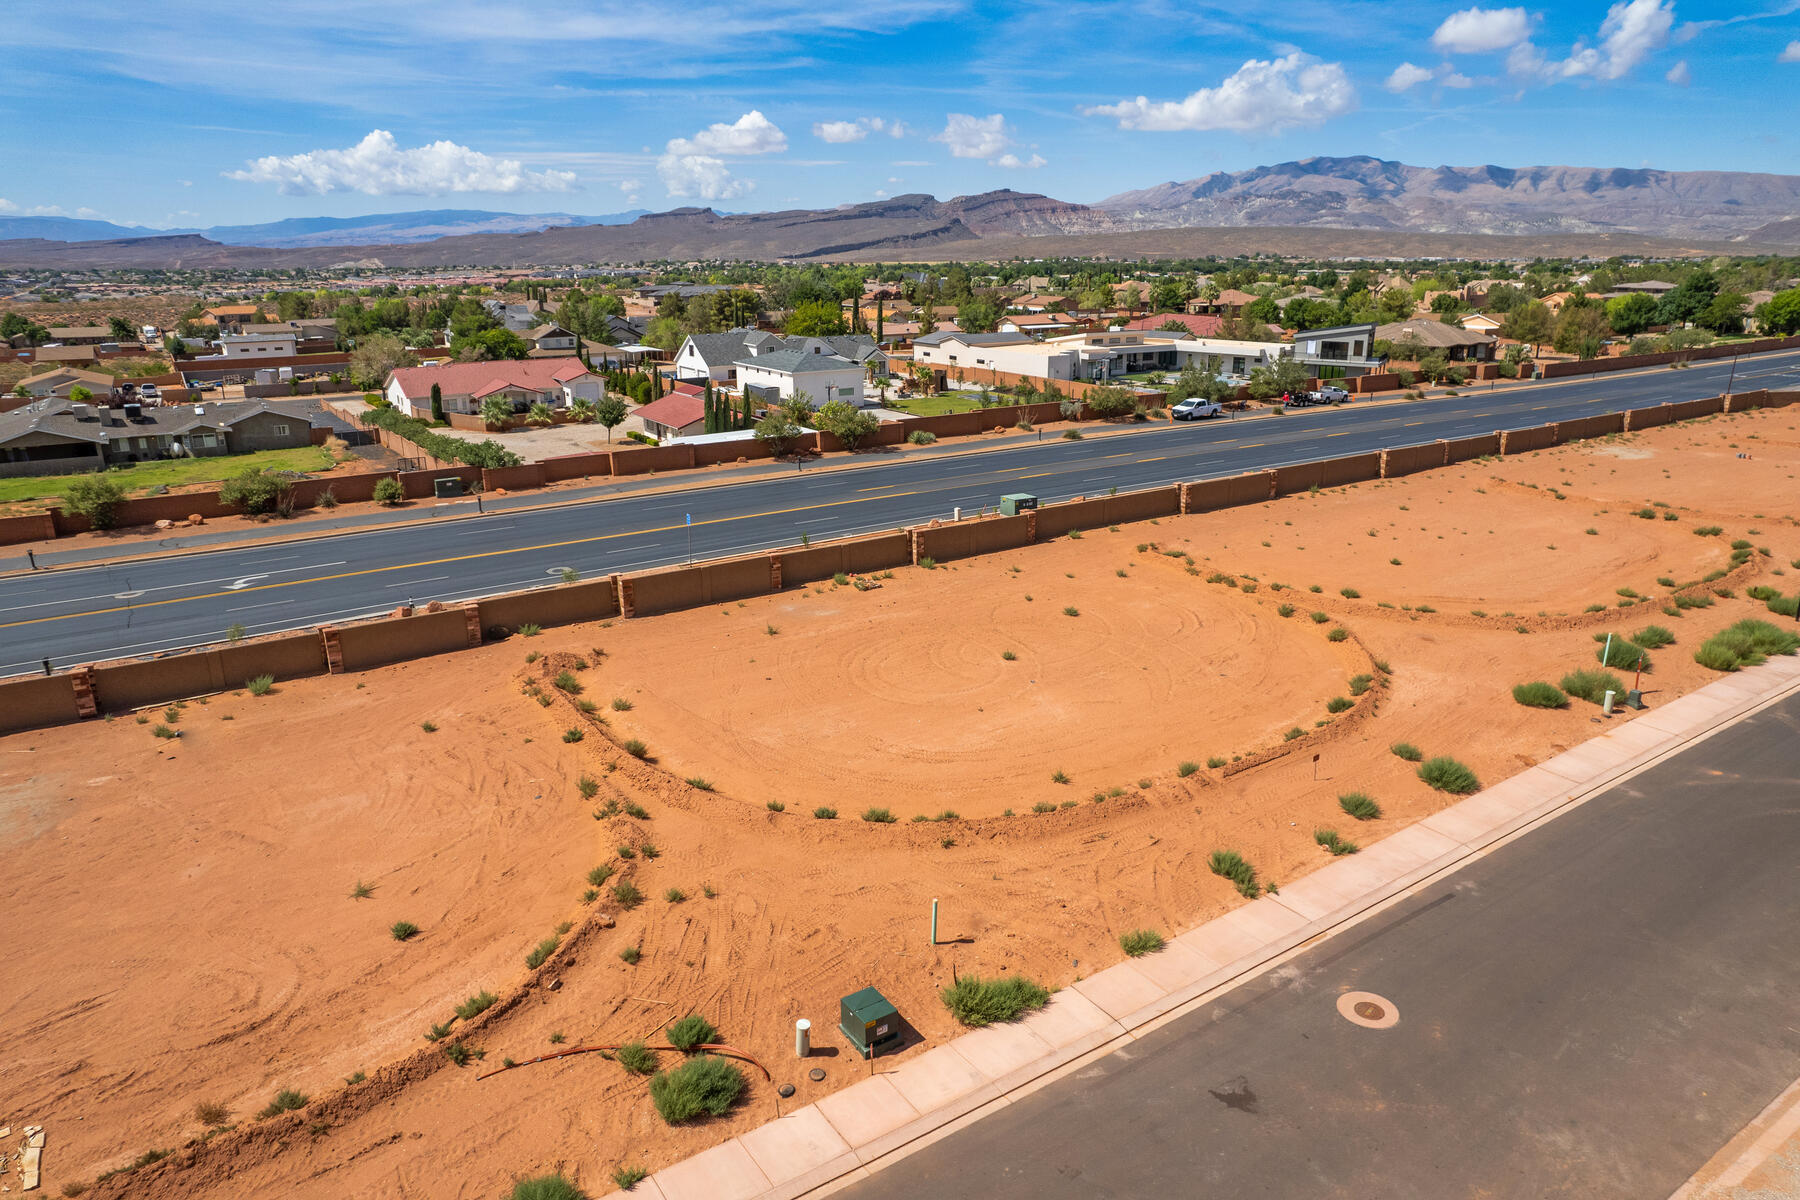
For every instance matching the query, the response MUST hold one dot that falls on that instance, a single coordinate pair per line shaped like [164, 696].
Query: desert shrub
[211, 1113]
[258, 491]
[1216, 761]
[1285, 610]
[403, 930]
[388, 492]
[1140, 942]
[1709, 530]
[626, 1178]
[1591, 686]
[626, 894]
[703, 1086]
[1229, 864]
[921, 437]
[565, 681]
[528, 629]
[1350, 593]
[1653, 637]
[547, 1187]
[976, 1002]
[878, 816]
[95, 497]
[1338, 704]
[475, 1005]
[1360, 805]
[621, 704]
[1700, 601]
[573, 735]
[631, 954]
[260, 685]
[1329, 839]
[459, 1054]
[1293, 733]
[1319, 618]
[1745, 644]
[1186, 769]
[1622, 654]
[636, 1058]
[286, 1100]
[1410, 752]
[675, 895]
[692, 1030]
[1043, 806]
[1360, 684]
[1447, 775]
[541, 952]
[1338, 634]
[1539, 695]
[824, 813]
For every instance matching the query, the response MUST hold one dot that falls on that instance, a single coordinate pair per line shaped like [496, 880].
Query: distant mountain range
[386, 228]
[1437, 210]
[1372, 193]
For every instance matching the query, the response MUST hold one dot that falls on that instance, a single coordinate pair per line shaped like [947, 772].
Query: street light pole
[1733, 378]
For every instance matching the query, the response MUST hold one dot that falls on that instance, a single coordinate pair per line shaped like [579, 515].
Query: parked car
[1332, 394]
[148, 391]
[1194, 409]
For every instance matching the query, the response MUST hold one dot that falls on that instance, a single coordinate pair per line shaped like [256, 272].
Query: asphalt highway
[1587, 1013]
[90, 613]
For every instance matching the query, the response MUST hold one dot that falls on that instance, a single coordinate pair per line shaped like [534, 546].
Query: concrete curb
[844, 1137]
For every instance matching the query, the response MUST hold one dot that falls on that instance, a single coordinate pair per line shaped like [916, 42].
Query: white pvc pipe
[802, 1038]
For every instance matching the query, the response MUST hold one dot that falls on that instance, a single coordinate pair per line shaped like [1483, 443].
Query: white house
[258, 345]
[558, 382]
[774, 375]
[715, 356]
[550, 341]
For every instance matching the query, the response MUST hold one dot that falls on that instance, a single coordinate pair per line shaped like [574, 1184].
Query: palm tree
[496, 411]
[540, 414]
[582, 411]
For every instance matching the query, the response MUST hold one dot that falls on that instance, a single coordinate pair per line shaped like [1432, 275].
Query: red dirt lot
[188, 929]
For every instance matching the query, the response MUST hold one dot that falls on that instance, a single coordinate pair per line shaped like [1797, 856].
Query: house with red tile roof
[558, 382]
[1201, 325]
[680, 413]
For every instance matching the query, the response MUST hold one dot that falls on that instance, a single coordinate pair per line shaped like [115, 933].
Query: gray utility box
[1013, 504]
[869, 1021]
[445, 489]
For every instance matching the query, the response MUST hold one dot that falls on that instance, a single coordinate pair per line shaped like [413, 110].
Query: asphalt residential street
[107, 611]
[1589, 1011]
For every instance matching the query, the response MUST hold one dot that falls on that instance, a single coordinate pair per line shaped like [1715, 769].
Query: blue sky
[172, 112]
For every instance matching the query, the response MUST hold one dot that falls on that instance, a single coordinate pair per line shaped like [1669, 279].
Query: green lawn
[946, 402]
[172, 473]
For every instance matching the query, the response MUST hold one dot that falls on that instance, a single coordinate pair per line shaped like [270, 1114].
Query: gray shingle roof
[796, 362]
[973, 339]
[58, 417]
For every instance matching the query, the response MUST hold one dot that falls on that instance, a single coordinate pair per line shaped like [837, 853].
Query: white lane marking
[244, 582]
[416, 582]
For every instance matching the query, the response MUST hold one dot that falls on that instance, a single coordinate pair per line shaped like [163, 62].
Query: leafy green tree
[80, 395]
[1530, 323]
[95, 497]
[1283, 378]
[490, 344]
[851, 425]
[122, 330]
[978, 314]
[1724, 315]
[1631, 315]
[1448, 303]
[1396, 304]
[1196, 382]
[816, 318]
[1108, 401]
[376, 356]
[777, 431]
[1263, 310]
[1688, 299]
[1781, 313]
[12, 324]
[609, 411]
[1581, 329]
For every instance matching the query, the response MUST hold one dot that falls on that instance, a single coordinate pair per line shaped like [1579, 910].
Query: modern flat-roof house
[59, 437]
[558, 382]
[1458, 345]
[60, 381]
[1038, 323]
[258, 345]
[1338, 352]
[772, 376]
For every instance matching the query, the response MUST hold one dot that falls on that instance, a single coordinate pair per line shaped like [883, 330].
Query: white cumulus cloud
[1405, 76]
[751, 133]
[1014, 162]
[857, 130]
[1790, 53]
[1259, 97]
[377, 166]
[9, 209]
[975, 137]
[1679, 75]
[1632, 30]
[1480, 30]
[695, 167]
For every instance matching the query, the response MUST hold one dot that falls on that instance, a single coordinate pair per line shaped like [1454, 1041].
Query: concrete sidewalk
[844, 1137]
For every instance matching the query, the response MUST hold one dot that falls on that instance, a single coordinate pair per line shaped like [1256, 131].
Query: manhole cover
[816, 1074]
[1368, 1010]
[785, 1090]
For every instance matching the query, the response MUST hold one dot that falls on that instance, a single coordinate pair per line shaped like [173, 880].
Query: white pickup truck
[1327, 394]
[1195, 409]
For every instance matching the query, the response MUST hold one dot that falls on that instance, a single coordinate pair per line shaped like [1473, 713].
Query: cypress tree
[878, 322]
[712, 410]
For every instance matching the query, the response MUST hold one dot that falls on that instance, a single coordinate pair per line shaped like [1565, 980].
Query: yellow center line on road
[433, 562]
[1415, 423]
[1158, 458]
[1252, 445]
[1039, 475]
[1127, 454]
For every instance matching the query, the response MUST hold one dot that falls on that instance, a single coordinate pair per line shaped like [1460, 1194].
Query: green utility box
[1016, 503]
[447, 489]
[869, 1021]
